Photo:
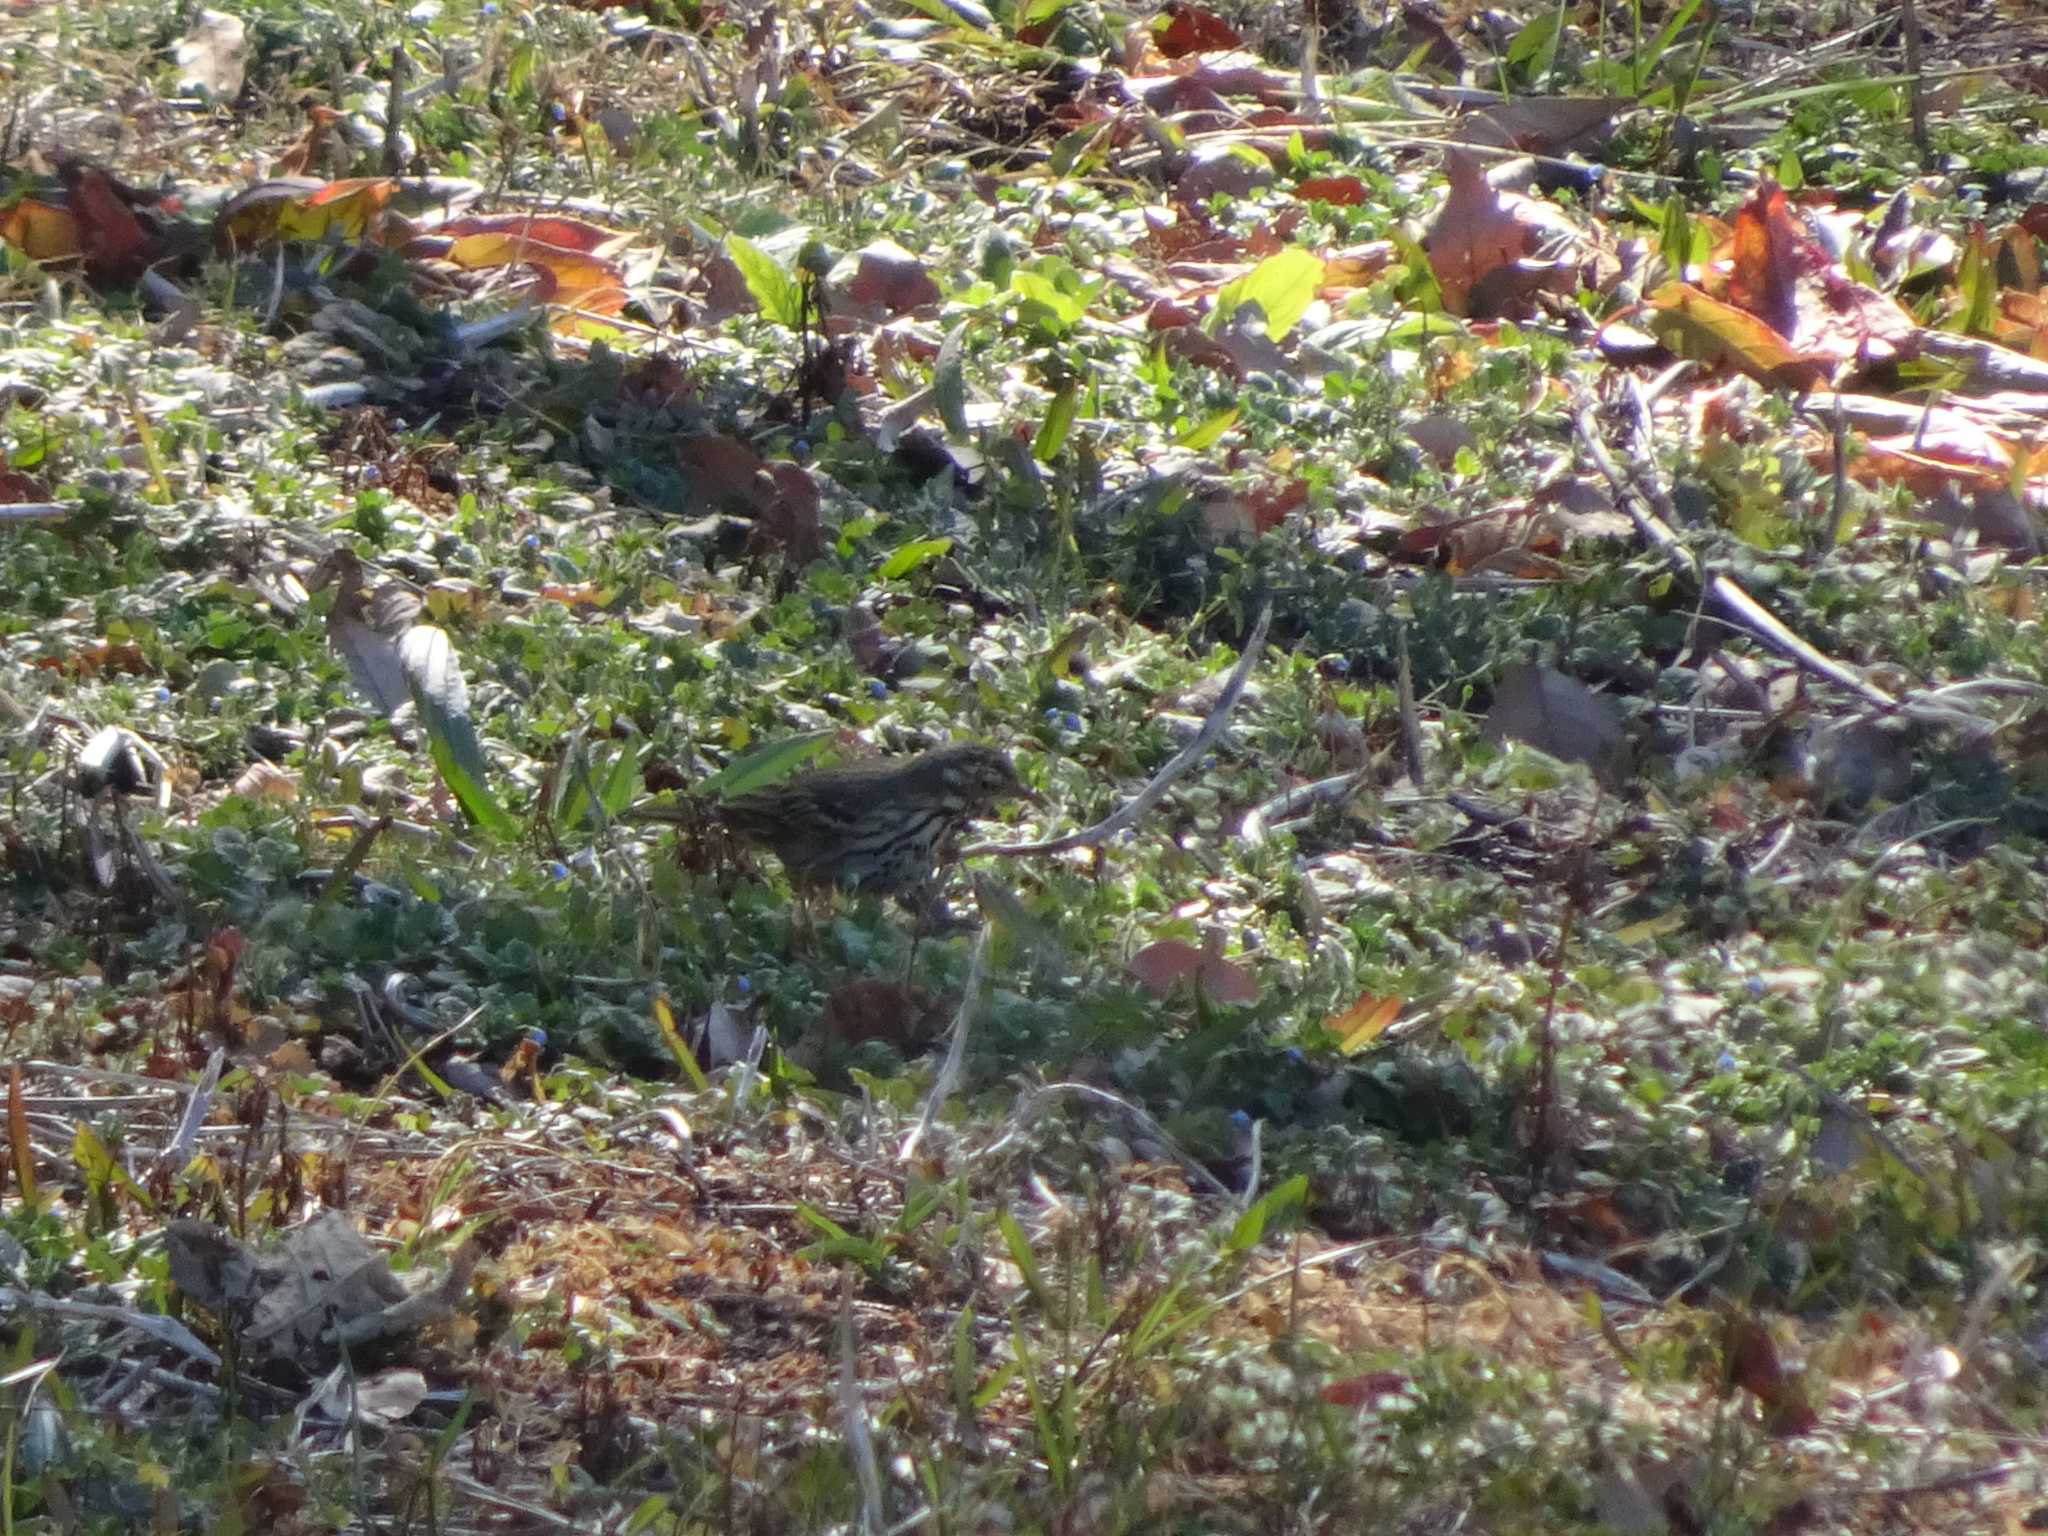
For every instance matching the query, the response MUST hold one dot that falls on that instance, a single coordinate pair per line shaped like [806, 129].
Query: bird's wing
[842, 799]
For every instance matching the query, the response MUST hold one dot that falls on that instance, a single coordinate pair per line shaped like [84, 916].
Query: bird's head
[983, 776]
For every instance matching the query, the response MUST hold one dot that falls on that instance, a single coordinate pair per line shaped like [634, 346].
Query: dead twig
[1263, 819]
[1036, 1102]
[956, 1049]
[1127, 814]
[165, 1330]
[1649, 507]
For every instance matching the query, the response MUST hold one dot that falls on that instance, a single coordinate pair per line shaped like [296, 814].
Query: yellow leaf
[1651, 928]
[665, 1021]
[1363, 1022]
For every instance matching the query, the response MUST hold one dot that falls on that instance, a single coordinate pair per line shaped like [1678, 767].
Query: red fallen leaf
[1187, 29]
[889, 281]
[1164, 965]
[1265, 239]
[1510, 540]
[1253, 82]
[788, 516]
[106, 656]
[1364, 1391]
[1777, 271]
[873, 1008]
[657, 381]
[1269, 503]
[323, 132]
[114, 243]
[1751, 1359]
[555, 233]
[720, 291]
[1343, 191]
[1481, 233]
[1174, 95]
[725, 467]
[16, 487]
[1190, 344]
[781, 498]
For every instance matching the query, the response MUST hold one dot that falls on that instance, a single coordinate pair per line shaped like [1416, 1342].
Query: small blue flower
[1071, 722]
[557, 871]
[877, 689]
[800, 450]
[530, 543]
[1338, 666]
[163, 694]
[1727, 1062]
[538, 1038]
[742, 985]
[1052, 716]
[1240, 1119]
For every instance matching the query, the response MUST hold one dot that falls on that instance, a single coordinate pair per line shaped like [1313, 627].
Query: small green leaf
[1534, 48]
[1022, 1256]
[908, 557]
[101, 1171]
[1278, 1203]
[1664, 39]
[766, 764]
[1283, 285]
[1059, 421]
[949, 382]
[1045, 304]
[623, 782]
[651, 1512]
[774, 288]
[1204, 433]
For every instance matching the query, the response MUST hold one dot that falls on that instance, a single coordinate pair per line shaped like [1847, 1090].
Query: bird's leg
[928, 914]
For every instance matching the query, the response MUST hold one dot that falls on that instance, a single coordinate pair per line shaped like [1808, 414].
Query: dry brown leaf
[1481, 236]
[1544, 708]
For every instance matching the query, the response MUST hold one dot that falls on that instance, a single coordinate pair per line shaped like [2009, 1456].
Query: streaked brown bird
[885, 827]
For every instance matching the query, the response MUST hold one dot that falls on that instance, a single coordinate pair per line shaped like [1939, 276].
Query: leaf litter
[687, 401]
